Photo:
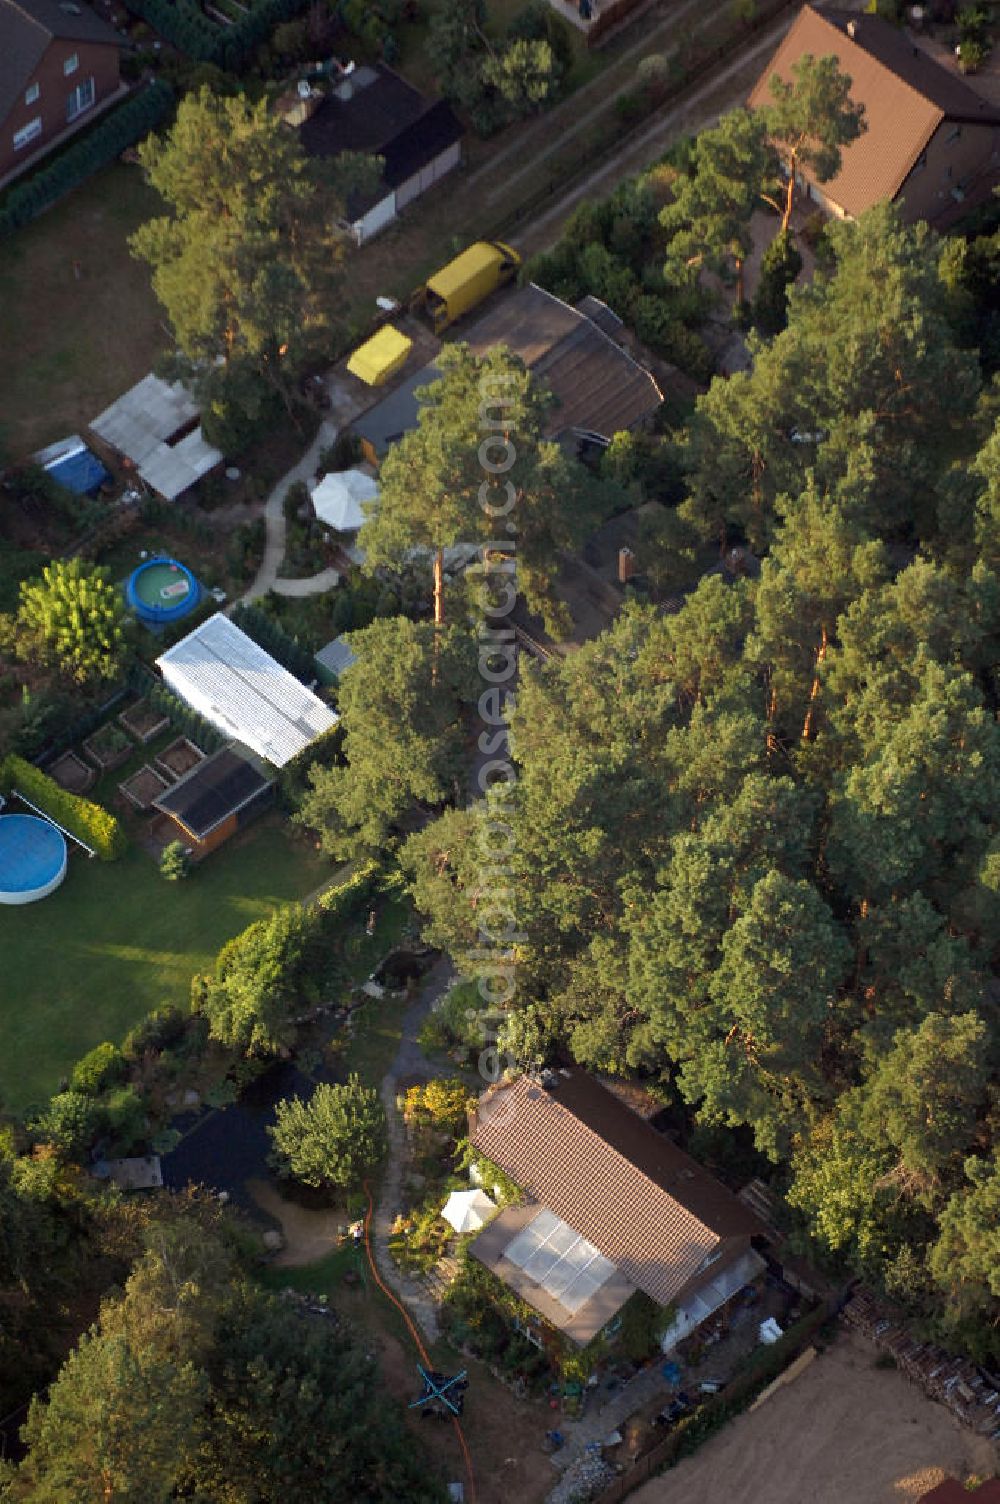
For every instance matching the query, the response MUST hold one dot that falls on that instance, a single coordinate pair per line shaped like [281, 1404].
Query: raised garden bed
[72, 773]
[179, 758]
[143, 721]
[145, 785]
[108, 748]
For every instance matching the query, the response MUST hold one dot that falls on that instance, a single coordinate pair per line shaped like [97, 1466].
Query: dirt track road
[843, 1431]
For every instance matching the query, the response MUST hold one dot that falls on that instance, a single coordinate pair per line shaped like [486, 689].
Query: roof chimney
[852, 29]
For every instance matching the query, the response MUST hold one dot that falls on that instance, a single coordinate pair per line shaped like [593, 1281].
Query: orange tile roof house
[58, 62]
[931, 139]
[610, 1207]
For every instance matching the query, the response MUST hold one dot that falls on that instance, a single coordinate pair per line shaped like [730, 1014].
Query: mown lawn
[117, 940]
[78, 320]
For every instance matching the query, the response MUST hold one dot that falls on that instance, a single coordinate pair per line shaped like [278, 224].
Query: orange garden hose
[418, 1341]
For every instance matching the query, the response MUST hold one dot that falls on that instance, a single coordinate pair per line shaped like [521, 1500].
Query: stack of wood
[971, 1393]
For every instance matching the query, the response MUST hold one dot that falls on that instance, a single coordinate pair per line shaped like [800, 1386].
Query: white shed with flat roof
[227, 678]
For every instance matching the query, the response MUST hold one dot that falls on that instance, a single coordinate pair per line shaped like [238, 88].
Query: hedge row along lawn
[95, 826]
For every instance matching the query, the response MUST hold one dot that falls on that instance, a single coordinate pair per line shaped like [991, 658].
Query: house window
[953, 136]
[27, 133]
[920, 163]
[71, 64]
[32, 93]
[81, 99]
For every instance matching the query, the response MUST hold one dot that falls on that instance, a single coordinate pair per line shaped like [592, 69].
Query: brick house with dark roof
[58, 63]
[609, 1207]
[931, 141]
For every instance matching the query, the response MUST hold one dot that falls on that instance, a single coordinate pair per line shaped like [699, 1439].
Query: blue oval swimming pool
[162, 590]
[32, 858]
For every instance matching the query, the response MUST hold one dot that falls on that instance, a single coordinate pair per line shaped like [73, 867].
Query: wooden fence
[688, 1435]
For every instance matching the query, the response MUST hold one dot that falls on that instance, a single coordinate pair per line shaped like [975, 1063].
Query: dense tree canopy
[713, 200]
[195, 1384]
[477, 468]
[401, 707]
[866, 389]
[247, 260]
[770, 882]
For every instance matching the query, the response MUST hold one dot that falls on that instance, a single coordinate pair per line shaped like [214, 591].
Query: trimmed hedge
[93, 825]
[230, 47]
[343, 901]
[182, 23]
[119, 129]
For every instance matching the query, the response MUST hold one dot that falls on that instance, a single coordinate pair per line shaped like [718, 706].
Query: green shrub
[296, 502]
[157, 1031]
[344, 453]
[643, 1324]
[71, 1122]
[175, 863]
[125, 1118]
[657, 326]
[99, 1069]
[246, 549]
[632, 105]
[538, 22]
[95, 826]
[117, 130]
[779, 268]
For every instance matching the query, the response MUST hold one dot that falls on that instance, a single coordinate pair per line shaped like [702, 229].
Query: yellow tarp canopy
[381, 356]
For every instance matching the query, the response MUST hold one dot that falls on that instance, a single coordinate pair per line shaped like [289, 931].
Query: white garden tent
[468, 1211]
[338, 497]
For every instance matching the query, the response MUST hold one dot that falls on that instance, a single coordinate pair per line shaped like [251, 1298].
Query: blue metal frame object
[436, 1386]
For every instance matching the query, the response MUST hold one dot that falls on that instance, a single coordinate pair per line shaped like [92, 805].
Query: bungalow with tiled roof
[609, 1207]
[931, 141]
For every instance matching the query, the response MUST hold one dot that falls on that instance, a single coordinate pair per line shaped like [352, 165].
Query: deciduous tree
[333, 1138]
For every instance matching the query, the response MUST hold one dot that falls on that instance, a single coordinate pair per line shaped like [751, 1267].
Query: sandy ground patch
[844, 1430]
[309, 1234]
[504, 1434]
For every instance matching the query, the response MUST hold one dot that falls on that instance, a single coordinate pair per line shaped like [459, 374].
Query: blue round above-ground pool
[32, 858]
[162, 590]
